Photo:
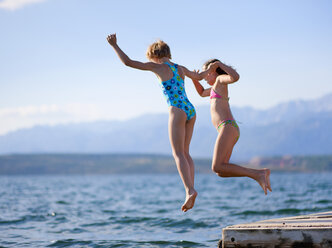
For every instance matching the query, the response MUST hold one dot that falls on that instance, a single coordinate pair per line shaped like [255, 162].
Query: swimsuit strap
[174, 68]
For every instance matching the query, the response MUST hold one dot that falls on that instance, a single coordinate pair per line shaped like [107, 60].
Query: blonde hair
[158, 50]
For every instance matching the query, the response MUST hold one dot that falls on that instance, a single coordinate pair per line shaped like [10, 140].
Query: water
[144, 210]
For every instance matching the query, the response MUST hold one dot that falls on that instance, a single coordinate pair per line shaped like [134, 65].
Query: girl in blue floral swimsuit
[181, 112]
[175, 93]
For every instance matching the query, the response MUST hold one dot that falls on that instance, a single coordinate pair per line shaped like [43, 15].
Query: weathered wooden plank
[313, 230]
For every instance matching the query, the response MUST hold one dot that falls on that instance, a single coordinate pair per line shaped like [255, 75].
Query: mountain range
[290, 128]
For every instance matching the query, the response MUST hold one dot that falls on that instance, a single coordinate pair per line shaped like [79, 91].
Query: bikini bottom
[229, 122]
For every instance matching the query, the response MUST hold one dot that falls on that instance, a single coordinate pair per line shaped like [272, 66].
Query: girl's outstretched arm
[149, 66]
[199, 75]
[232, 76]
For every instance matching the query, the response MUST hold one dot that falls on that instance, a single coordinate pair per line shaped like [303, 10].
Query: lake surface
[144, 210]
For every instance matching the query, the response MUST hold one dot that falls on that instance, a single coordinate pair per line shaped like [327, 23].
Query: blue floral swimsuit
[175, 93]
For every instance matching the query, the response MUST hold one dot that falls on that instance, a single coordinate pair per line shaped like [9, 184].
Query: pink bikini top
[214, 94]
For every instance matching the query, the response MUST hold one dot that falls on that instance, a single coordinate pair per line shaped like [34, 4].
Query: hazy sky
[56, 66]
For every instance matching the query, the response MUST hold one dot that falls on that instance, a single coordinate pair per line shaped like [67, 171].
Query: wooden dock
[314, 230]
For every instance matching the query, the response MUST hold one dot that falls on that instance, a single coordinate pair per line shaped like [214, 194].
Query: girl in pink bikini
[182, 114]
[224, 122]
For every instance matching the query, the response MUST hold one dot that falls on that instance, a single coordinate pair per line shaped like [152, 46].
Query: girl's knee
[187, 155]
[218, 169]
[215, 168]
[178, 153]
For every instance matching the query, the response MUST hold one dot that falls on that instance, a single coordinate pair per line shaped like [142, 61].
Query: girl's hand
[196, 72]
[214, 66]
[111, 39]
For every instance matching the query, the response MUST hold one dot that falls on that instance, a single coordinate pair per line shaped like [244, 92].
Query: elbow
[127, 62]
[201, 93]
[236, 77]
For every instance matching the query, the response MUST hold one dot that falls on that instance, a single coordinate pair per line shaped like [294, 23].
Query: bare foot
[190, 201]
[264, 180]
[267, 176]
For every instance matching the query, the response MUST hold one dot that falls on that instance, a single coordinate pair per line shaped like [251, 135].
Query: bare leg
[190, 201]
[177, 130]
[189, 133]
[222, 153]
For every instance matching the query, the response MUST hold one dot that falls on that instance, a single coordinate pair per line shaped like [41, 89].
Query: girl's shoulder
[221, 79]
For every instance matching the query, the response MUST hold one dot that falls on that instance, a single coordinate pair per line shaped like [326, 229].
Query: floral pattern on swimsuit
[175, 93]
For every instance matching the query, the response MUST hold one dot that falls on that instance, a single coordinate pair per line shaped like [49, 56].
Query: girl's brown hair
[158, 50]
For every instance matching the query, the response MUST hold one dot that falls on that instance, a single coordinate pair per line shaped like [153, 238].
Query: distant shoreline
[71, 164]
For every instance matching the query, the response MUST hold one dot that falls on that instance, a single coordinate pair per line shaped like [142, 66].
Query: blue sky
[56, 66]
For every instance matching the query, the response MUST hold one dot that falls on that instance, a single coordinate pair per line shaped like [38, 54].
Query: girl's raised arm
[232, 76]
[149, 66]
